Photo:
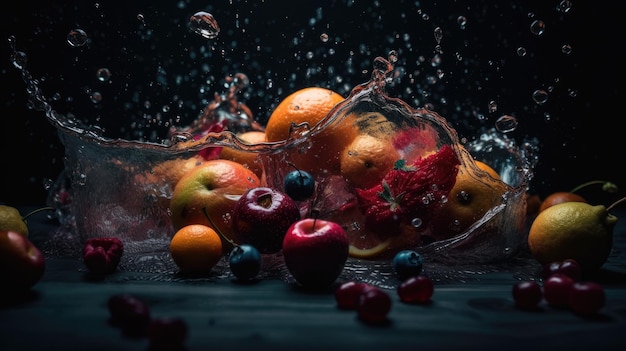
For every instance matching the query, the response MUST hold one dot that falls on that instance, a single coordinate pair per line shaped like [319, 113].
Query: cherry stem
[616, 203]
[296, 168]
[606, 186]
[217, 229]
[48, 208]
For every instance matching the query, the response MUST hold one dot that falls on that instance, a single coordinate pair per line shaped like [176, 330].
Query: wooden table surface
[67, 311]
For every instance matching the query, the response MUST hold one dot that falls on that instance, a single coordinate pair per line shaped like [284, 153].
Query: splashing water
[120, 195]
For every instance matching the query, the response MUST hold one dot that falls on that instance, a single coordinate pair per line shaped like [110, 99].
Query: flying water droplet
[540, 96]
[506, 123]
[538, 27]
[77, 37]
[103, 74]
[204, 23]
[438, 35]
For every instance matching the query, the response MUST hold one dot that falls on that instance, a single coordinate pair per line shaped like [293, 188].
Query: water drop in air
[538, 27]
[540, 96]
[77, 37]
[204, 23]
[506, 123]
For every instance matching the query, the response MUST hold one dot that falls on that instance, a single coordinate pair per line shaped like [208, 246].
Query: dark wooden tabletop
[67, 310]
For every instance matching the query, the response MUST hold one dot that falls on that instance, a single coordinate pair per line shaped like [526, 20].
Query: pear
[11, 220]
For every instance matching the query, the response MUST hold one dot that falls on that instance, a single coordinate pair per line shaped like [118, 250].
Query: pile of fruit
[386, 183]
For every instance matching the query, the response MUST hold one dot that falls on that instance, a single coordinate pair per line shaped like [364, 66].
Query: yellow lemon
[573, 230]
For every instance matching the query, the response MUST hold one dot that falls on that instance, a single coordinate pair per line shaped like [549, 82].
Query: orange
[196, 248]
[366, 160]
[558, 197]
[573, 230]
[470, 198]
[311, 105]
[214, 187]
[247, 158]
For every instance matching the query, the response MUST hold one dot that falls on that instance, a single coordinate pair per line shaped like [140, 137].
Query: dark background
[579, 130]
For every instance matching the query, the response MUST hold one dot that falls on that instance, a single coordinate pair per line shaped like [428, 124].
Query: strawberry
[409, 191]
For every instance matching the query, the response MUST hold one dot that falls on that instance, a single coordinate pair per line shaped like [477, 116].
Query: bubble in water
[521, 51]
[538, 27]
[493, 106]
[204, 23]
[540, 96]
[103, 74]
[506, 123]
[77, 37]
[324, 37]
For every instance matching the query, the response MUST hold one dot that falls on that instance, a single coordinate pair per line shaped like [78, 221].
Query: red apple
[315, 251]
[215, 185]
[22, 264]
[261, 218]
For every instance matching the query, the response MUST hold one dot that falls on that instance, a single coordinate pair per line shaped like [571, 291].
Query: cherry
[416, 289]
[527, 294]
[556, 290]
[129, 313]
[586, 298]
[299, 185]
[374, 306]
[245, 262]
[167, 333]
[347, 294]
[407, 263]
[568, 267]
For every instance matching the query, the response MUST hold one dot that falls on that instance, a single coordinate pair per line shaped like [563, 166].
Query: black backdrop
[579, 130]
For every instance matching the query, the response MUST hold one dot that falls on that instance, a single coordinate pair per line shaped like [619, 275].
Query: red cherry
[586, 298]
[416, 289]
[556, 290]
[347, 294]
[527, 294]
[374, 305]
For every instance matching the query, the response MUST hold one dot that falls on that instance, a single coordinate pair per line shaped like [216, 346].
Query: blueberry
[407, 263]
[299, 185]
[245, 261]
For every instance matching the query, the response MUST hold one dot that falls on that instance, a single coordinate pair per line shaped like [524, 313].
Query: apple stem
[606, 186]
[616, 203]
[217, 229]
[48, 208]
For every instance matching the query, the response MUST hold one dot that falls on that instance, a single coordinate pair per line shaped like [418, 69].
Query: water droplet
[96, 97]
[564, 6]
[538, 27]
[461, 21]
[540, 96]
[324, 37]
[566, 49]
[103, 74]
[493, 106]
[77, 37]
[19, 59]
[521, 51]
[438, 34]
[506, 123]
[204, 23]
[416, 222]
[392, 56]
